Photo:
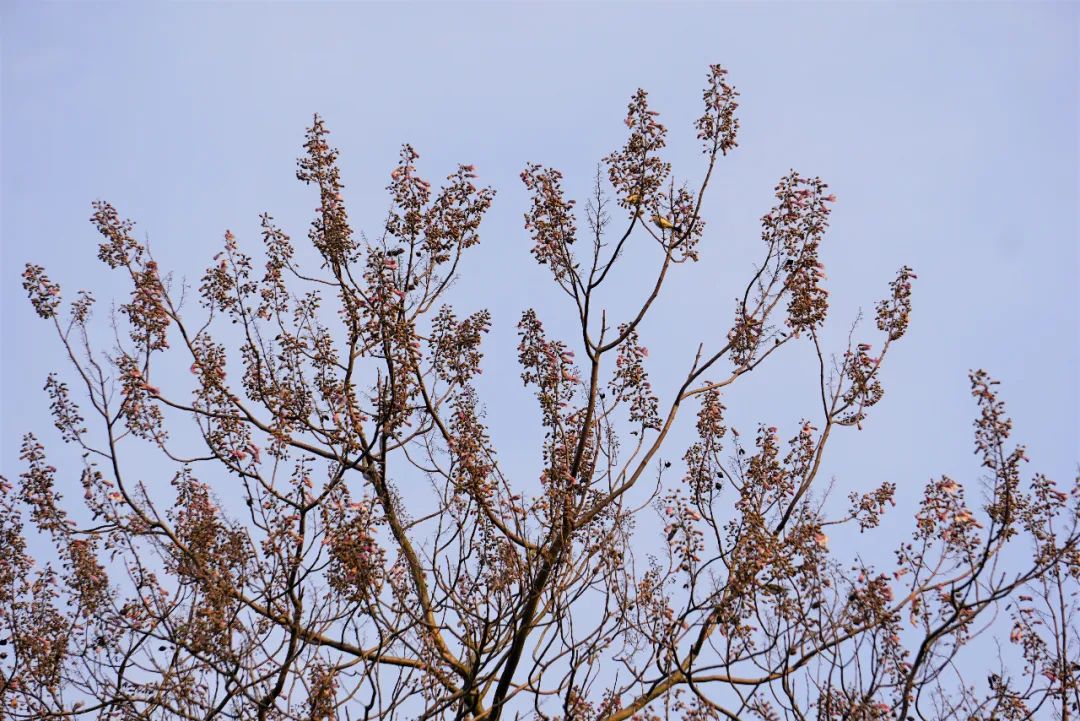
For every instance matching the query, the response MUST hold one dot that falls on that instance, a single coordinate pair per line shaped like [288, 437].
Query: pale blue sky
[948, 131]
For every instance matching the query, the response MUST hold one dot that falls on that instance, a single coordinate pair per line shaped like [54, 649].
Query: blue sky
[948, 132]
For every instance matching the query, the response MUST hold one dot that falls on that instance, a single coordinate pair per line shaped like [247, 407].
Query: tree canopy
[316, 525]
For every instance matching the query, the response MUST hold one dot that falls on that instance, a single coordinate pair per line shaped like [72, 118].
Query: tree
[285, 572]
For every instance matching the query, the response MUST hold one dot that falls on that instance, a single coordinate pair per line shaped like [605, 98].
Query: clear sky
[948, 132]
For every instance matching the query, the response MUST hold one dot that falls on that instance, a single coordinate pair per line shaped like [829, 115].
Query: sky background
[947, 131]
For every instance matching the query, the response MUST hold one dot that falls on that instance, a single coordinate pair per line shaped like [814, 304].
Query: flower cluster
[894, 312]
[992, 429]
[795, 227]
[636, 170]
[836, 704]
[279, 252]
[549, 365]
[330, 232]
[228, 281]
[396, 391]
[146, 312]
[768, 477]
[44, 294]
[141, 412]
[550, 220]
[470, 448]
[868, 508]
[453, 221]
[631, 382]
[410, 194]
[84, 575]
[685, 539]
[120, 248]
[561, 481]
[213, 556]
[745, 335]
[800, 459]
[65, 412]
[357, 563]
[943, 514]
[429, 230]
[869, 600]
[702, 458]
[679, 223]
[455, 347]
[718, 127]
[322, 694]
[864, 387]
[225, 433]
